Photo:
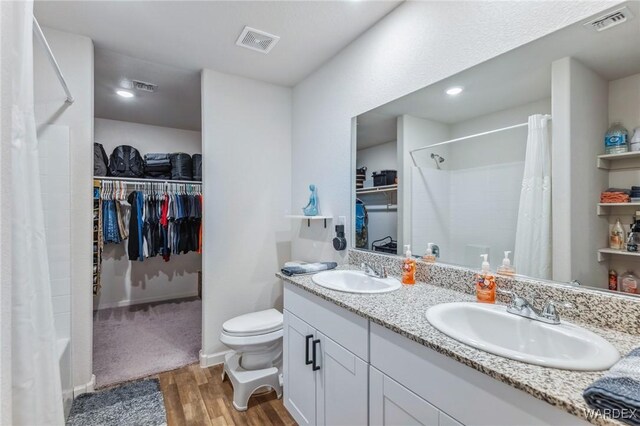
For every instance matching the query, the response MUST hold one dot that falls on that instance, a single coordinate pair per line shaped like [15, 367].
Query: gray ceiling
[202, 34]
[175, 104]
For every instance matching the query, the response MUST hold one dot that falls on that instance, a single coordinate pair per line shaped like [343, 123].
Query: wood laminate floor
[198, 396]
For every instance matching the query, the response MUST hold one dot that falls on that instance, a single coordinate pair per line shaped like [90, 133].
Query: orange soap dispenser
[486, 283]
[408, 267]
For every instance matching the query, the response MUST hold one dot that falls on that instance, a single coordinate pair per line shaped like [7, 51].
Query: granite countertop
[403, 311]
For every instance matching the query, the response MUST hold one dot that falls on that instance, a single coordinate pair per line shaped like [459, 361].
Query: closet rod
[40, 35]
[515, 126]
[141, 180]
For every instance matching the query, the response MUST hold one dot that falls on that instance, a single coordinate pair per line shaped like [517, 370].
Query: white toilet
[256, 360]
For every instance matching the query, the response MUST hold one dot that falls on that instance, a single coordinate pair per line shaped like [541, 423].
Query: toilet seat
[234, 340]
[254, 324]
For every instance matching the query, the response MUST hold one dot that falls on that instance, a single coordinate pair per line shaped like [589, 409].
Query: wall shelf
[605, 209]
[310, 218]
[377, 189]
[605, 252]
[627, 160]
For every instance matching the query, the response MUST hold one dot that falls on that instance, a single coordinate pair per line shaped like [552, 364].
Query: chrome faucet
[371, 271]
[522, 307]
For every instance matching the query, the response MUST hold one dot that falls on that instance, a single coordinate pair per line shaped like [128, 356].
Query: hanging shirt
[133, 245]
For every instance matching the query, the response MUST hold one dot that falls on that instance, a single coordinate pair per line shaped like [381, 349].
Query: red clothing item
[164, 220]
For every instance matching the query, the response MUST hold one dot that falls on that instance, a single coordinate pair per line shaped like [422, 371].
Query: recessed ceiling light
[452, 91]
[124, 93]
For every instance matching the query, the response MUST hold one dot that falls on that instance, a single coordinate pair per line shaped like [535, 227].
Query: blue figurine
[312, 208]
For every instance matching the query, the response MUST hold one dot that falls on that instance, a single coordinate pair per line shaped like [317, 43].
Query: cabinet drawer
[344, 327]
[469, 396]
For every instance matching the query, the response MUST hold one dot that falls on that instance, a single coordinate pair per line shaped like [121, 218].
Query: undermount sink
[355, 282]
[492, 329]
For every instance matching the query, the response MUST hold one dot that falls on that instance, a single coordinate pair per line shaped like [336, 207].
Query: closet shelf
[310, 218]
[377, 189]
[605, 209]
[627, 160]
[143, 180]
[605, 252]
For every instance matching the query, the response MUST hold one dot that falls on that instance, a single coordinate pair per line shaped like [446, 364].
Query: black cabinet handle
[316, 367]
[307, 361]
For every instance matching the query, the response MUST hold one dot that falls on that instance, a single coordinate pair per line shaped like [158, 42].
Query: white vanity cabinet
[325, 381]
[299, 377]
[367, 374]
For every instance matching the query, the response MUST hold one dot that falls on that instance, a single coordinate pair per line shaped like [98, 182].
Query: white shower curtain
[533, 232]
[36, 388]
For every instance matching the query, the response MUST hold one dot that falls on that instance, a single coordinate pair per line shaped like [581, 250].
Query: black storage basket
[181, 166]
[384, 177]
[197, 166]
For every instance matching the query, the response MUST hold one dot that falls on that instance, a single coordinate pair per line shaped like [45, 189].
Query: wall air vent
[144, 86]
[257, 40]
[609, 20]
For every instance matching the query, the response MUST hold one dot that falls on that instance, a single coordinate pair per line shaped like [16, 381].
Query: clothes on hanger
[164, 225]
[158, 220]
[110, 227]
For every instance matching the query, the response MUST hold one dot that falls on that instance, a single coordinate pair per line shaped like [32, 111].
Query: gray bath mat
[137, 403]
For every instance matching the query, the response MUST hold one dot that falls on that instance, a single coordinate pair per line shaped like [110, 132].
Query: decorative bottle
[408, 267]
[485, 283]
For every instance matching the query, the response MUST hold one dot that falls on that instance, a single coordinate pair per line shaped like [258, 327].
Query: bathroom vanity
[375, 359]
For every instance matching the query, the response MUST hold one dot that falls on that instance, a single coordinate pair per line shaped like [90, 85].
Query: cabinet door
[299, 377]
[392, 404]
[446, 420]
[342, 385]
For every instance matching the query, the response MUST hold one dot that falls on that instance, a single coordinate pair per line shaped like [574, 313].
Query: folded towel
[307, 268]
[617, 393]
[614, 197]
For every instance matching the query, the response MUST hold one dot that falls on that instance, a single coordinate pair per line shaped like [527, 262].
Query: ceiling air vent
[257, 40]
[610, 20]
[144, 86]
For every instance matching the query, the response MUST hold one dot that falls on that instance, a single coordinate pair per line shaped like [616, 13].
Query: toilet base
[246, 382]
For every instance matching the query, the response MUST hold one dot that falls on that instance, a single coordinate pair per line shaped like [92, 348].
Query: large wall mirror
[510, 156]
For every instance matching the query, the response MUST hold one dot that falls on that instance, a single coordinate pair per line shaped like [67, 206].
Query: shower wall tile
[467, 211]
[54, 162]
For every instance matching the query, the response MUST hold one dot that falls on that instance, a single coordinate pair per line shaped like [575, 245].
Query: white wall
[129, 283]
[146, 138]
[75, 56]
[423, 191]
[246, 130]
[624, 102]
[382, 222]
[378, 157]
[481, 150]
[417, 44]
[580, 111]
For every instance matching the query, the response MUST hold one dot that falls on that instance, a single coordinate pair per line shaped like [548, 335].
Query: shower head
[438, 159]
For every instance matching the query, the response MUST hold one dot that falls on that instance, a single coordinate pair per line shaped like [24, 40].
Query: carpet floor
[132, 404]
[137, 341]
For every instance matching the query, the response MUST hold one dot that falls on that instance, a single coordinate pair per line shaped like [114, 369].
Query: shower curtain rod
[515, 126]
[40, 35]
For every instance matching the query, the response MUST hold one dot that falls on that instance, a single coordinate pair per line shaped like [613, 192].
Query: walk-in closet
[377, 212]
[147, 210]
